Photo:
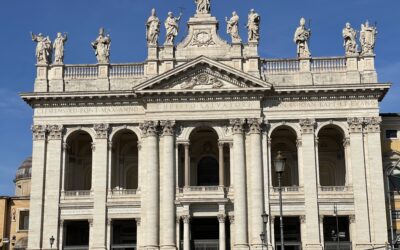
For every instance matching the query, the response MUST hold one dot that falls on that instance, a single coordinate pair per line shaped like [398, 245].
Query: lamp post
[279, 163]
[51, 241]
[263, 235]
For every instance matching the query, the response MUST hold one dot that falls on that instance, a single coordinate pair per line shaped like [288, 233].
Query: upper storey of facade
[203, 60]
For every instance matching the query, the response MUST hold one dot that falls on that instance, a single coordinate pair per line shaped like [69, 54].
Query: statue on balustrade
[253, 26]
[102, 47]
[203, 6]
[368, 38]
[172, 27]
[301, 38]
[232, 27]
[153, 28]
[43, 48]
[350, 40]
[58, 46]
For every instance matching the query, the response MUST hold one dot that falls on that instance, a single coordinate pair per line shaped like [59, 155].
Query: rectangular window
[391, 134]
[24, 220]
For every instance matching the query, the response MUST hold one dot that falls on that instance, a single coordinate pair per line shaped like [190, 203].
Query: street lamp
[279, 164]
[51, 241]
[263, 235]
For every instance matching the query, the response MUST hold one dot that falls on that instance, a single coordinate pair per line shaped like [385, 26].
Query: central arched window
[207, 171]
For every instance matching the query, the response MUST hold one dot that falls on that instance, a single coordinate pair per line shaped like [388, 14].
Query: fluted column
[167, 195]
[309, 165]
[187, 164]
[240, 237]
[222, 237]
[52, 185]
[221, 164]
[186, 232]
[150, 200]
[99, 186]
[256, 183]
[37, 188]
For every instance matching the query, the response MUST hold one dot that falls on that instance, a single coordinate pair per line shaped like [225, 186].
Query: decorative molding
[346, 142]
[355, 124]
[149, 128]
[232, 219]
[203, 79]
[39, 132]
[168, 128]
[237, 126]
[299, 142]
[65, 147]
[373, 124]
[352, 218]
[186, 219]
[221, 218]
[102, 130]
[138, 221]
[178, 219]
[93, 146]
[307, 126]
[254, 125]
[139, 145]
[55, 132]
[302, 219]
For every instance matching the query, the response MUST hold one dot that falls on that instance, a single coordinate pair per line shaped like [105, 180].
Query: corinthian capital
[168, 128]
[149, 128]
[373, 124]
[254, 125]
[55, 132]
[307, 126]
[237, 126]
[102, 130]
[39, 132]
[355, 124]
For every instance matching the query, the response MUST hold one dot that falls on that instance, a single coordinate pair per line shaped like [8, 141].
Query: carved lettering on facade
[88, 110]
[185, 106]
[334, 104]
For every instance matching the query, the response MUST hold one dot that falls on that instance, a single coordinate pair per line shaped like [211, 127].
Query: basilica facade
[178, 152]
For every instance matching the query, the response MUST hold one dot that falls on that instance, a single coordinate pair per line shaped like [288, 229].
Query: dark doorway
[76, 235]
[333, 239]
[207, 172]
[291, 233]
[124, 234]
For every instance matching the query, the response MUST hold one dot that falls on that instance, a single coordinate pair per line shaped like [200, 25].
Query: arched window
[207, 172]
[331, 155]
[124, 167]
[78, 169]
[284, 139]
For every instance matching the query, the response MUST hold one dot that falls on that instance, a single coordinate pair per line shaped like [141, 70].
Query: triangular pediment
[203, 73]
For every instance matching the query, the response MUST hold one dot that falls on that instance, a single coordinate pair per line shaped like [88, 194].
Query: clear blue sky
[125, 20]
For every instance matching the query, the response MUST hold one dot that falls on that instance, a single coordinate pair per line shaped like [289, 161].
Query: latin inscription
[307, 105]
[204, 106]
[106, 110]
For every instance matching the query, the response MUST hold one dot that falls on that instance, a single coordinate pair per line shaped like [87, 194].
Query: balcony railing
[293, 189]
[279, 66]
[81, 72]
[196, 189]
[203, 244]
[341, 245]
[328, 64]
[317, 64]
[77, 193]
[76, 247]
[126, 70]
[123, 192]
[335, 188]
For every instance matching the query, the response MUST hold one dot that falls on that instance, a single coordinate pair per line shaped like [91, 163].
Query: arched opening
[284, 139]
[124, 166]
[78, 169]
[331, 155]
[207, 171]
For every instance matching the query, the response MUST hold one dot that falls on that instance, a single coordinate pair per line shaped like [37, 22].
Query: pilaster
[99, 178]
[309, 165]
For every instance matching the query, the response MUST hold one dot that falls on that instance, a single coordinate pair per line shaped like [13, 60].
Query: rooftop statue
[43, 48]
[253, 26]
[203, 6]
[301, 38]
[102, 47]
[59, 47]
[172, 27]
[350, 40]
[233, 28]
[153, 28]
[368, 38]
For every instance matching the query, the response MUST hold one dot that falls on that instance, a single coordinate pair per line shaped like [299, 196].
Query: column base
[241, 247]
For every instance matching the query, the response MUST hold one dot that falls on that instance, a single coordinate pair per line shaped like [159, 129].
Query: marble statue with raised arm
[153, 28]
[43, 48]
[203, 6]
[368, 38]
[232, 27]
[58, 47]
[172, 28]
[102, 47]
[301, 38]
[253, 26]
[350, 40]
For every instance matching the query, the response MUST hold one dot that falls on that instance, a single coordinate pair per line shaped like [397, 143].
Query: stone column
[240, 236]
[91, 233]
[110, 167]
[178, 232]
[109, 231]
[303, 230]
[99, 185]
[167, 195]
[349, 175]
[272, 234]
[186, 232]
[187, 165]
[352, 221]
[321, 229]
[221, 164]
[232, 163]
[138, 233]
[151, 198]
[232, 229]
[61, 235]
[222, 238]
[299, 162]
[37, 188]
[308, 148]
[256, 183]
[52, 186]
[362, 234]
[375, 181]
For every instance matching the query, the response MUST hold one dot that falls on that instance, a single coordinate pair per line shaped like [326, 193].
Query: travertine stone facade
[206, 102]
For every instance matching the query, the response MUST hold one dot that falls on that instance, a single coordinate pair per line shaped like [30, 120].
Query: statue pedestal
[56, 83]
[152, 52]
[102, 82]
[41, 81]
[305, 64]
